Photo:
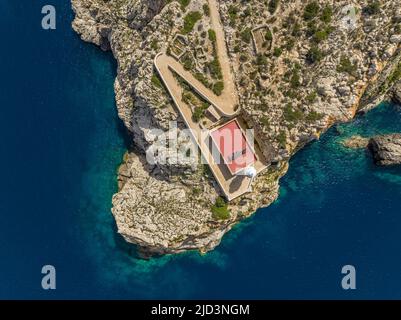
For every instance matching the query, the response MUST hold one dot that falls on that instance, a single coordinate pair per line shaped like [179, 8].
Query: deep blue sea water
[61, 143]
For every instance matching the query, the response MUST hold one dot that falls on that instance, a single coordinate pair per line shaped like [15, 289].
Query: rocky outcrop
[386, 149]
[397, 93]
[355, 142]
[285, 96]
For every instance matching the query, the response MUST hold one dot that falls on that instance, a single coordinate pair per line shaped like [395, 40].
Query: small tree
[314, 55]
[311, 10]
[277, 52]
[372, 8]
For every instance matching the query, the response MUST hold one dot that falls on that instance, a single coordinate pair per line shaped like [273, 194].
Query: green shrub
[212, 35]
[282, 138]
[295, 79]
[215, 69]
[206, 10]
[265, 121]
[292, 115]
[313, 116]
[154, 45]
[202, 78]
[187, 62]
[311, 97]
[268, 35]
[290, 44]
[198, 114]
[314, 55]
[247, 12]
[272, 6]
[232, 13]
[320, 36]
[372, 8]
[261, 60]
[218, 88]
[190, 20]
[396, 74]
[277, 52]
[184, 3]
[311, 28]
[246, 35]
[327, 14]
[347, 66]
[220, 202]
[311, 10]
[296, 30]
[220, 209]
[156, 81]
[196, 191]
[243, 58]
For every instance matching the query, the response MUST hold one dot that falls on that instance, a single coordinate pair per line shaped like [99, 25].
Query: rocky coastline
[289, 95]
[386, 149]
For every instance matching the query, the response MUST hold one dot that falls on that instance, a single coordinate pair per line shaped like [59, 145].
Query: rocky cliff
[386, 149]
[309, 69]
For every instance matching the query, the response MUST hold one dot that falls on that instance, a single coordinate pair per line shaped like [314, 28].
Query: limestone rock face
[386, 149]
[397, 93]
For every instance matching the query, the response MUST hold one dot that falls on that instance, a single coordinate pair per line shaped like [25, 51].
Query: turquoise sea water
[62, 143]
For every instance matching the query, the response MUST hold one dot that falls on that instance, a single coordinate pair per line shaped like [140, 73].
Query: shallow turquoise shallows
[61, 144]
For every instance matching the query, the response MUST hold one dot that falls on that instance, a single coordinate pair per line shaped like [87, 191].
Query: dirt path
[222, 54]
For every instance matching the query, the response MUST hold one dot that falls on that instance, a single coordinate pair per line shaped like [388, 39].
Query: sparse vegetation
[295, 79]
[296, 30]
[202, 78]
[311, 97]
[232, 13]
[198, 114]
[313, 116]
[289, 44]
[291, 114]
[282, 139]
[156, 81]
[265, 121]
[347, 66]
[395, 75]
[215, 69]
[187, 61]
[190, 20]
[311, 10]
[196, 191]
[261, 60]
[246, 35]
[154, 45]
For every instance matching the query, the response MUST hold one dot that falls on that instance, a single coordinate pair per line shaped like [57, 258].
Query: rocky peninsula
[299, 67]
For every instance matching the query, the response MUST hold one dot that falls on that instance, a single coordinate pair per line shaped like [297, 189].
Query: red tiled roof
[233, 146]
